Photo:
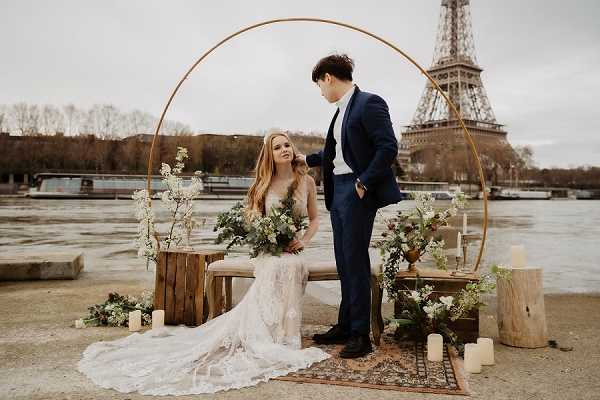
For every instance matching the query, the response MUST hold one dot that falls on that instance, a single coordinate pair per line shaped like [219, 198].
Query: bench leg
[228, 293]
[210, 284]
[376, 318]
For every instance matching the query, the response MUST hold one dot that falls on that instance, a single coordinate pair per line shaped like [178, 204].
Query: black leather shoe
[335, 335]
[357, 346]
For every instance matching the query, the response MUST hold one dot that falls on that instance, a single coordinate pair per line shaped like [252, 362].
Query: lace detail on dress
[257, 340]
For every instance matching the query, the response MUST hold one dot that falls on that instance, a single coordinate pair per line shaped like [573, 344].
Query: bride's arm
[313, 212]
[313, 217]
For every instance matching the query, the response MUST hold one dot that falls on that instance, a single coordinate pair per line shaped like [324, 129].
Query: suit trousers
[352, 222]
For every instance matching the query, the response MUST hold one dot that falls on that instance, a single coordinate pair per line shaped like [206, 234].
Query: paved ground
[39, 348]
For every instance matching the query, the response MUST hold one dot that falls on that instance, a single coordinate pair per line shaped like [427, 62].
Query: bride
[257, 340]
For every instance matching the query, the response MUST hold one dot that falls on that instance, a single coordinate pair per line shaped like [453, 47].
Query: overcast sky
[540, 57]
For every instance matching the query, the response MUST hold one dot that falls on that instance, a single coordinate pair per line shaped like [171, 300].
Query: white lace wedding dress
[257, 340]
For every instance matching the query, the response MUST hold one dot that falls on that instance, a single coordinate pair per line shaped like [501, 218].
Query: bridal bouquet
[269, 234]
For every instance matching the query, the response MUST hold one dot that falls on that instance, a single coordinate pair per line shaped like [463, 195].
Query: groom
[356, 161]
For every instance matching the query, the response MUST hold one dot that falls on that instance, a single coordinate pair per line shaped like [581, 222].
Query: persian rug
[393, 365]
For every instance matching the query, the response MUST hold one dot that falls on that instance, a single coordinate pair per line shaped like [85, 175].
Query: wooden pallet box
[179, 287]
[466, 328]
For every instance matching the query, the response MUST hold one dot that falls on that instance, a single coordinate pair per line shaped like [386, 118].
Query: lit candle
[458, 245]
[486, 350]
[472, 358]
[435, 347]
[158, 319]
[79, 323]
[464, 223]
[517, 256]
[135, 321]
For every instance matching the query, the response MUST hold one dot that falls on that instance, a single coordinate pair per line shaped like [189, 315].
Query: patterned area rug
[393, 365]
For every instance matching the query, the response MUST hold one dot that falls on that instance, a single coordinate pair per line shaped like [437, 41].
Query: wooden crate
[179, 285]
[466, 328]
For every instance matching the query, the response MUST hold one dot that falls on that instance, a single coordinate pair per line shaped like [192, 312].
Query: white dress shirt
[339, 165]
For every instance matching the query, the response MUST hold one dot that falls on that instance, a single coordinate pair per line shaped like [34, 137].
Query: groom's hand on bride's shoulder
[301, 158]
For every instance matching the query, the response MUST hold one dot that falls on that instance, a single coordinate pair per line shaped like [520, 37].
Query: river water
[561, 236]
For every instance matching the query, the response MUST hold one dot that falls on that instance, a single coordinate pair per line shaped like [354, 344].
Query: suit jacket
[369, 148]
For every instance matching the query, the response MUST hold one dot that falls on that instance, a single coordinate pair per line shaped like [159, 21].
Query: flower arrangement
[115, 310]
[178, 200]
[411, 234]
[268, 234]
[424, 314]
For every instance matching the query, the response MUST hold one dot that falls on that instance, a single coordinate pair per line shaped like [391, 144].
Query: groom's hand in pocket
[360, 191]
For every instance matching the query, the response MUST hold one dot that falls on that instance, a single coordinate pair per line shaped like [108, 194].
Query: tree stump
[179, 285]
[521, 313]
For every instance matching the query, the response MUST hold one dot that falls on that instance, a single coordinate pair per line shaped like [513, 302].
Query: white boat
[519, 194]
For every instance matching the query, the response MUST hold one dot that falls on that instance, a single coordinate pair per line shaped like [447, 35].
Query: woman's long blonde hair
[264, 171]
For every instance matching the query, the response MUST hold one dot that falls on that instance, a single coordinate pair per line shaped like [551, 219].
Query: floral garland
[413, 231]
[115, 310]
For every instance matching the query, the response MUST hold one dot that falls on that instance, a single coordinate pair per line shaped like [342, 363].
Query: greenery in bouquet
[178, 200]
[268, 234]
[414, 231]
[115, 310]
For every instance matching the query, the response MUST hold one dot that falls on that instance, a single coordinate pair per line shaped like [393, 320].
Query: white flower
[431, 309]
[447, 301]
[165, 170]
[272, 238]
[415, 296]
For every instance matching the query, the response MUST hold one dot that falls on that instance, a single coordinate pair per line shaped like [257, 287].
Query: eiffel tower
[456, 71]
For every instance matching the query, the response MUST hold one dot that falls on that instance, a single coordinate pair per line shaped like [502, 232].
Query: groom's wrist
[360, 184]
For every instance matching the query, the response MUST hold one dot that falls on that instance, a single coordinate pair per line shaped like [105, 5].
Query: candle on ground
[486, 350]
[135, 321]
[158, 319]
[517, 256]
[458, 245]
[464, 223]
[472, 358]
[435, 347]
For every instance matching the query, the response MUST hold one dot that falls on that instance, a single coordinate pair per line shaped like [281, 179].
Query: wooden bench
[240, 267]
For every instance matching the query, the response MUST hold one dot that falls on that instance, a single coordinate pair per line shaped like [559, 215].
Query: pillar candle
[472, 358]
[486, 350]
[458, 245]
[79, 323]
[158, 319]
[435, 347]
[464, 223]
[135, 321]
[517, 256]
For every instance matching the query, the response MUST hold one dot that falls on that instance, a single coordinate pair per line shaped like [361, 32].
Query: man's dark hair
[338, 65]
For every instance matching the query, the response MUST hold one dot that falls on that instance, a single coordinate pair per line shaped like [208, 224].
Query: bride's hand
[295, 246]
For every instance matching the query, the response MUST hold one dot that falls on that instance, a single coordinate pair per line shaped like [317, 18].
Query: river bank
[39, 347]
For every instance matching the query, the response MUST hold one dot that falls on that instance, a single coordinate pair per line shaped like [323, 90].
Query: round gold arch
[378, 38]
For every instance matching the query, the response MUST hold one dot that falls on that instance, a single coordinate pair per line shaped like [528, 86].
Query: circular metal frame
[365, 32]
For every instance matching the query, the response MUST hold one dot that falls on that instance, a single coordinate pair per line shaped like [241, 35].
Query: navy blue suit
[369, 148]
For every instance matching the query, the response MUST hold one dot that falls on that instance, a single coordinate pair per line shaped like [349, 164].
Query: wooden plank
[218, 284]
[159, 281]
[199, 268]
[170, 290]
[180, 287]
[191, 282]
